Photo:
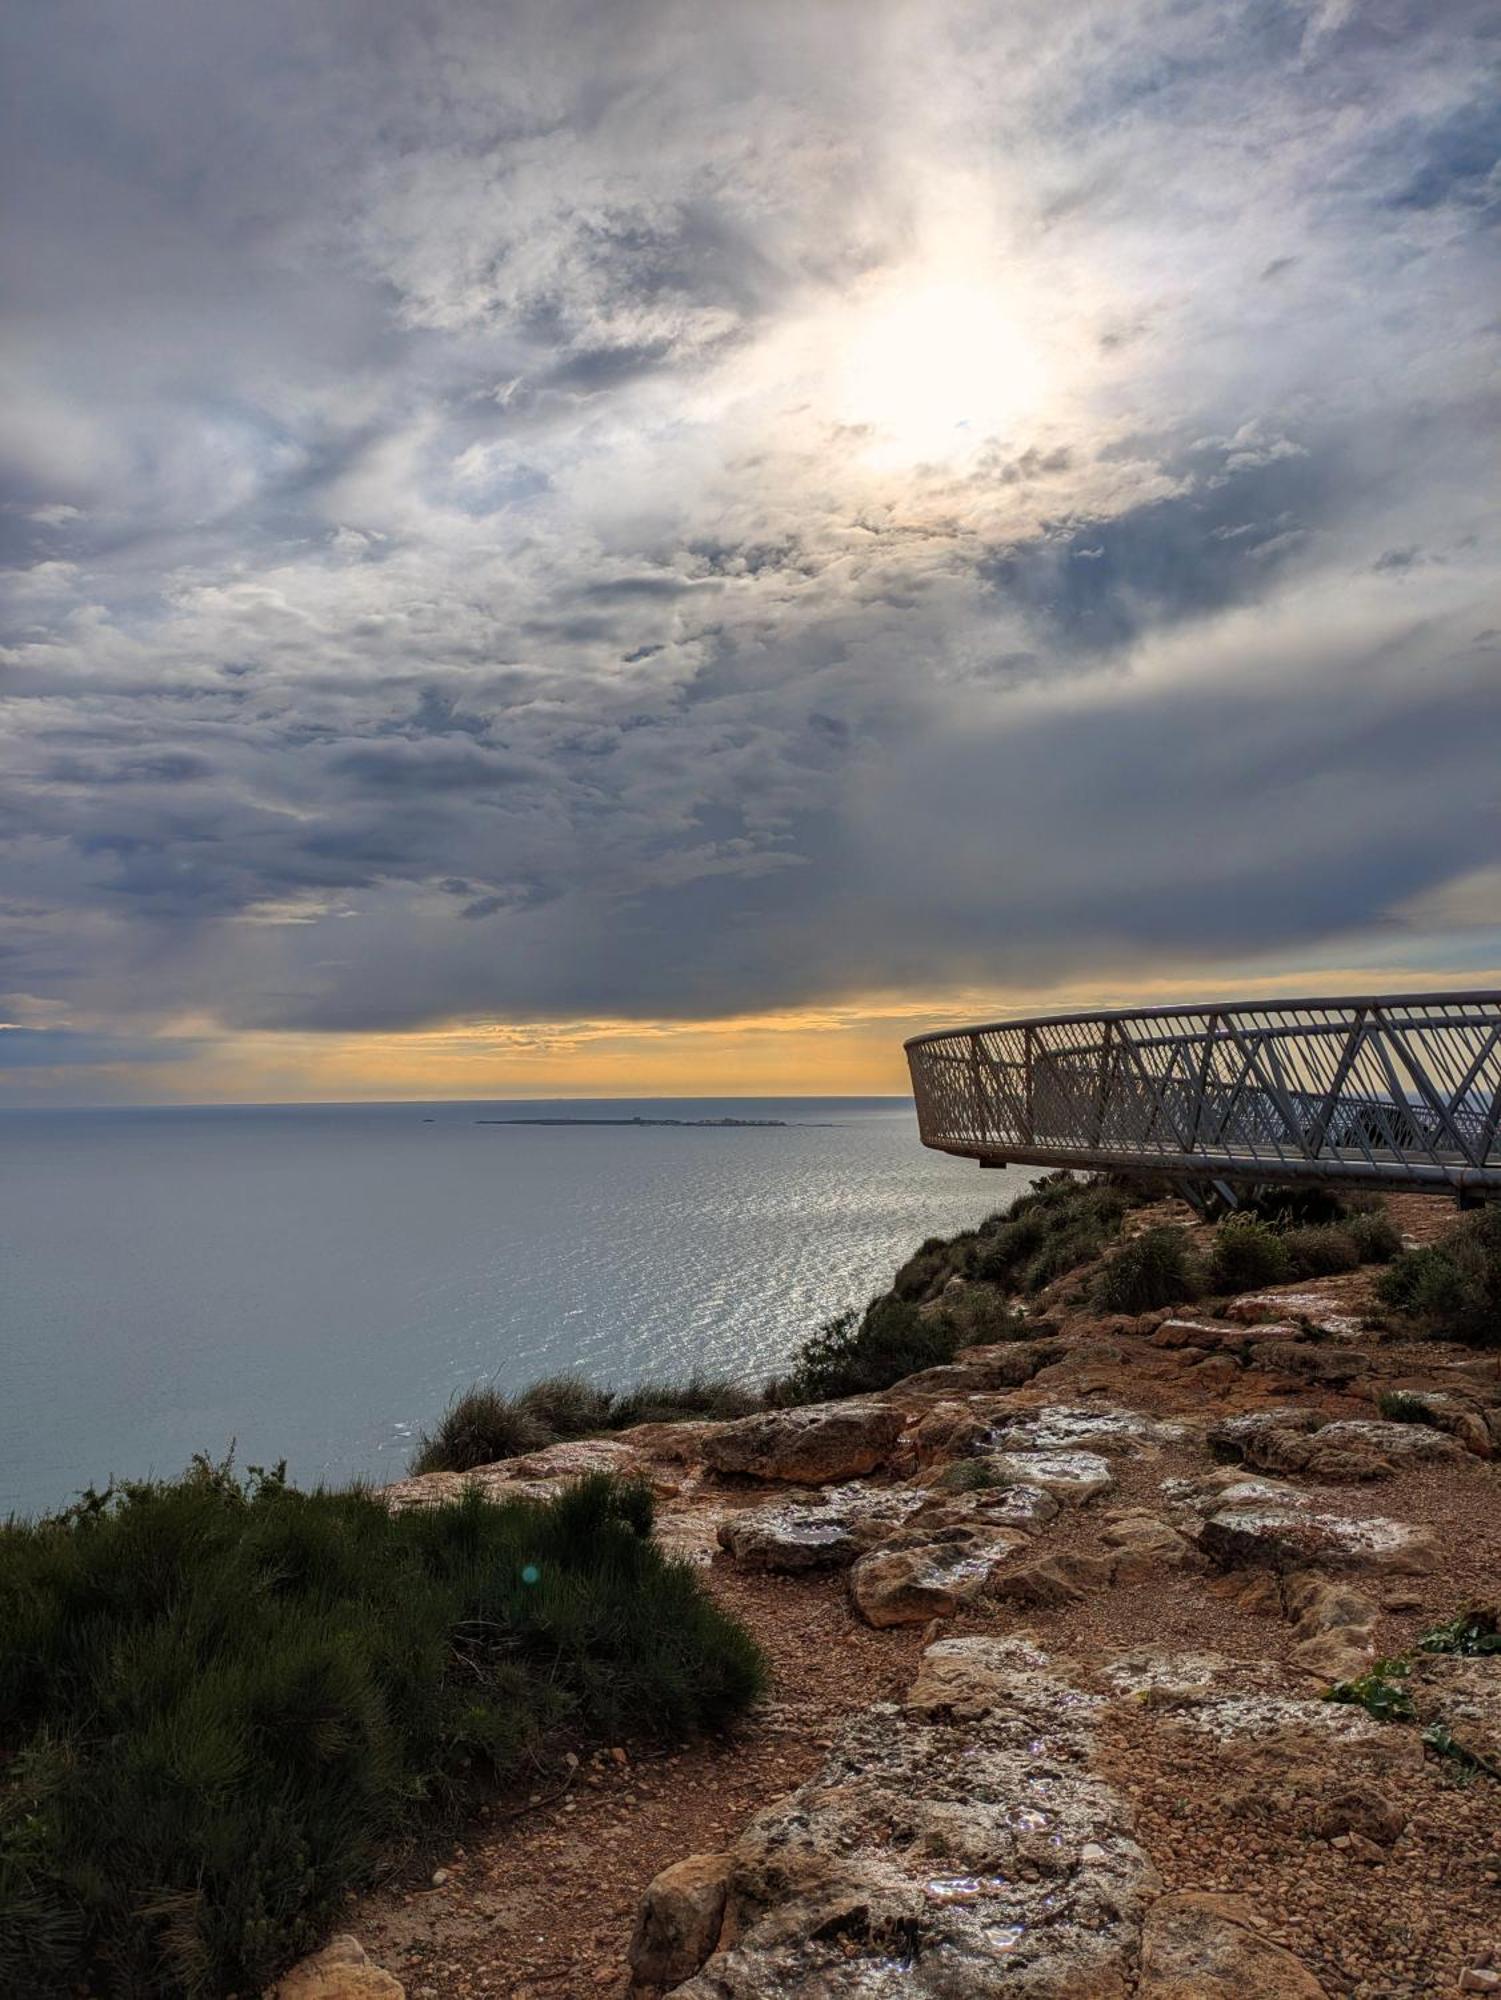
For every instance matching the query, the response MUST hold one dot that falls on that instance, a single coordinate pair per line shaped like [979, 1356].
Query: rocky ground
[1050, 1629]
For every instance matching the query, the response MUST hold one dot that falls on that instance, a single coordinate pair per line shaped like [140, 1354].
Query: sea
[315, 1283]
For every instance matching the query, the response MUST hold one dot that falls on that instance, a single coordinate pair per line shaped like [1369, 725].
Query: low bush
[479, 1427]
[1375, 1236]
[221, 1700]
[856, 1353]
[1399, 1408]
[1154, 1269]
[483, 1424]
[1452, 1288]
[1246, 1254]
[1061, 1223]
[1320, 1250]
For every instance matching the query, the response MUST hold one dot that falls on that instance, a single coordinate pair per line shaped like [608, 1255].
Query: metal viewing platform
[1398, 1092]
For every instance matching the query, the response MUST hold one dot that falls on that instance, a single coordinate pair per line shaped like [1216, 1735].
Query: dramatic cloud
[546, 512]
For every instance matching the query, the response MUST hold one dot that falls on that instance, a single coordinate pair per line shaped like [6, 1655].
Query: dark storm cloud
[465, 563]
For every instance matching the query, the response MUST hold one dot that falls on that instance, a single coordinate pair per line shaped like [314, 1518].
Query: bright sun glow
[931, 367]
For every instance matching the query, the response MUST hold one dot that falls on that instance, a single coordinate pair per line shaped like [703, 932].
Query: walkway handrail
[1396, 1090]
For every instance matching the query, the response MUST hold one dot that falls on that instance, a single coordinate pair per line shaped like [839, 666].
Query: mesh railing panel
[1391, 1091]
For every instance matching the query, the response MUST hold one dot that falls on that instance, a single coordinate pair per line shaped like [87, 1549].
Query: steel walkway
[1403, 1091]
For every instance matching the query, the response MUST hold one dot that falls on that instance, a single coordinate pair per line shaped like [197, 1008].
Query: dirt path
[542, 1907]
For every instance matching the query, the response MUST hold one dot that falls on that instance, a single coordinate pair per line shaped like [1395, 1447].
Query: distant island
[757, 1124]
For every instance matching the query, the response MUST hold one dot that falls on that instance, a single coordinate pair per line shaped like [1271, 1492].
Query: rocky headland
[1054, 1628]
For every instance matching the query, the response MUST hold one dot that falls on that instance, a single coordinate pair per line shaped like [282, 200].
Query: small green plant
[1063, 1221]
[1320, 1250]
[1469, 1764]
[1154, 1269]
[1246, 1254]
[479, 1427]
[1382, 1693]
[1400, 1408]
[1452, 1288]
[855, 1353]
[1375, 1236]
[484, 1425]
[1476, 1630]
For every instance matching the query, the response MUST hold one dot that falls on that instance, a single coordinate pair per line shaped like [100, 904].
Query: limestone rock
[949, 1431]
[1342, 1653]
[1055, 1580]
[908, 1585]
[1359, 1809]
[679, 1921]
[1244, 1438]
[814, 1446]
[341, 1971]
[1331, 1366]
[1198, 1946]
[1318, 1604]
[1463, 1696]
[935, 1857]
[1289, 1538]
[1146, 1538]
[1411, 1443]
[1068, 1475]
[820, 1530]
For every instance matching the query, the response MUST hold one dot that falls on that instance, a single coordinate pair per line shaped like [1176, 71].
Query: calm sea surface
[316, 1282]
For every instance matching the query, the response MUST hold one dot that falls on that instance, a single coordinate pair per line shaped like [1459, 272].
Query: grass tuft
[1154, 1269]
[1452, 1288]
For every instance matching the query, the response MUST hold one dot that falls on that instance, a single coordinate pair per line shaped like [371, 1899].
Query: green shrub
[1375, 1236]
[1382, 1692]
[1400, 1408]
[676, 1402]
[566, 1406]
[222, 1700]
[856, 1353]
[1062, 1222]
[1320, 1250]
[483, 1425]
[1473, 1631]
[1246, 1254]
[1452, 1288]
[477, 1428]
[1154, 1269]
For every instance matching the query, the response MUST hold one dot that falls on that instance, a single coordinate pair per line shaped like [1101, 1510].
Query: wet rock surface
[957, 1845]
[825, 1530]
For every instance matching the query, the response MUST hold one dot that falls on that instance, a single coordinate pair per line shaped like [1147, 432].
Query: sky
[646, 548]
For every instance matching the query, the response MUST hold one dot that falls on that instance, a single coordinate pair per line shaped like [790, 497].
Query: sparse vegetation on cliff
[222, 1699]
[1452, 1288]
[483, 1425]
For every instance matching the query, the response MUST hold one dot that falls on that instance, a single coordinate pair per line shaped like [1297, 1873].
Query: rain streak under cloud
[539, 513]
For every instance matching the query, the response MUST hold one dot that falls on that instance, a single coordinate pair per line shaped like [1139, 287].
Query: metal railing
[1400, 1091]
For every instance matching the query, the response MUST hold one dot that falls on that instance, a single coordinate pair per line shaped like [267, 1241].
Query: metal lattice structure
[1395, 1092]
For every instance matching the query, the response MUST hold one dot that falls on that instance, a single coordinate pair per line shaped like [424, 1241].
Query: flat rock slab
[539, 1475]
[1068, 1475]
[1198, 1946]
[1064, 1427]
[908, 1585]
[826, 1530]
[955, 1848]
[815, 1446]
[1294, 1538]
